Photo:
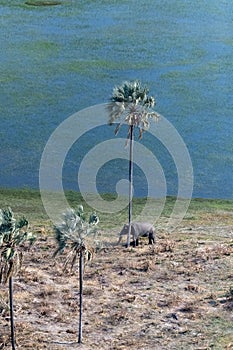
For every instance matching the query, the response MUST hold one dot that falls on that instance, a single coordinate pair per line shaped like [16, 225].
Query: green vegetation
[24, 202]
[199, 204]
[28, 202]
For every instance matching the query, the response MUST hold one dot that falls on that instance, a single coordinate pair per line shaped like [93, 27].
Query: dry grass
[174, 295]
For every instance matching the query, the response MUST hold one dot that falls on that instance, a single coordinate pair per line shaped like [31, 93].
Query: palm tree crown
[131, 104]
[72, 232]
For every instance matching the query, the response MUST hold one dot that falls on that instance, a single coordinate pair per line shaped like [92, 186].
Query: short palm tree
[130, 104]
[71, 236]
[13, 236]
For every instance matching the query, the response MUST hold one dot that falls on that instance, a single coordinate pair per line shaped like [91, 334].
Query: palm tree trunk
[12, 312]
[130, 183]
[80, 295]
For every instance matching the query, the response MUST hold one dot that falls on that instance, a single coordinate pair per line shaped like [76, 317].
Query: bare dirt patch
[176, 294]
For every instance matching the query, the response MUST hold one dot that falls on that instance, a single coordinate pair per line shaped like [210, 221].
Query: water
[58, 60]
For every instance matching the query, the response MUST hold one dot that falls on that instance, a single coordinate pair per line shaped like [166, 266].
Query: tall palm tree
[71, 236]
[130, 104]
[13, 236]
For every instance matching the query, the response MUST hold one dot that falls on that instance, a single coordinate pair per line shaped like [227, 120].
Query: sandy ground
[177, 294]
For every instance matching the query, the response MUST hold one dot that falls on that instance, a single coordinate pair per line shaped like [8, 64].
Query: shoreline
[27, 190]
[27, 202]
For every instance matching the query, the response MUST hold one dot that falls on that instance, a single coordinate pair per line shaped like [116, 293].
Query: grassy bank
[175, 295]
[28, 202]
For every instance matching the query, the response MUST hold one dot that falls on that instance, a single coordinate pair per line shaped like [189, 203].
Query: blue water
[58, 60]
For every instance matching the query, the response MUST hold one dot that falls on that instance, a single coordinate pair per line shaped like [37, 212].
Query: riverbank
[175, 295]
[28, 202]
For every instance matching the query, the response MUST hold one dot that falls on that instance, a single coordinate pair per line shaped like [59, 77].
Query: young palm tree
[13, 236]
[71, 235]
[131, 105]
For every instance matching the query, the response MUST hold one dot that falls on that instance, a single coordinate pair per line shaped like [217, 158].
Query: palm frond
[13, 237]
[72, 232]
[117, 129]
[131, 104]
[7, 220]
